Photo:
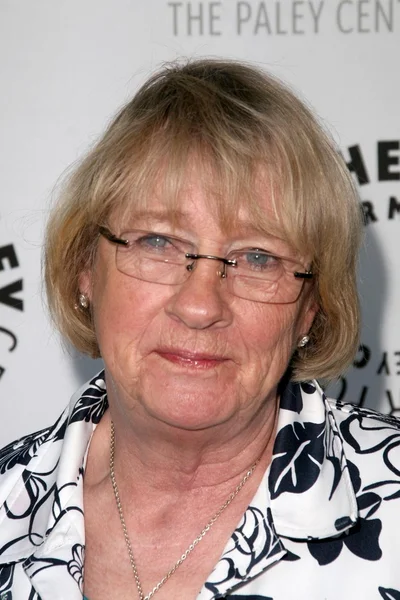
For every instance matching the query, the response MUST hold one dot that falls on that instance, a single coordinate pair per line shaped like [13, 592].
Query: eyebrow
[160, 215]
[181, 218]
[252, 229]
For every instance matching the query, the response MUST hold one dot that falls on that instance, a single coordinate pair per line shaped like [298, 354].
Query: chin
[192, 411]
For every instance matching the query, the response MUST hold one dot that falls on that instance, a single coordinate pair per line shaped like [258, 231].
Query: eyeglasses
[254, 274]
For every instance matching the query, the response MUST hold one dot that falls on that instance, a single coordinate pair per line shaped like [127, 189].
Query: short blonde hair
[238, 122]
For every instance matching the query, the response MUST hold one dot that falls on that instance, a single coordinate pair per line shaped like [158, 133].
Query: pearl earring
[303, 341]
[83, 301]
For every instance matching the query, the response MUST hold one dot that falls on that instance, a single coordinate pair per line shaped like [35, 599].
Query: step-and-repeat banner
[66, 67]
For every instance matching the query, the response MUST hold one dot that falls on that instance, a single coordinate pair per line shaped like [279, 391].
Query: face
[192, 355]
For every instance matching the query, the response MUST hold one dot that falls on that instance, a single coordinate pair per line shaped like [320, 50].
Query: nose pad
[221, 273]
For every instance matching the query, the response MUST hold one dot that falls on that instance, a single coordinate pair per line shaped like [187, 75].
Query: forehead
[236, 207]
[195, 222]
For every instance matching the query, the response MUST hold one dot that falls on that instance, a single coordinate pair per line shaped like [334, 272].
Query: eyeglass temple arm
[111, 237]
[306, 275]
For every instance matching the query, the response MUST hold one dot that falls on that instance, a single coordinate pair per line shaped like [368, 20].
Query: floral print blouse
[323, 525]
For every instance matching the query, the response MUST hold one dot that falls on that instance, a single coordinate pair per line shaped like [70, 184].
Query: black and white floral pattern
[323, 525]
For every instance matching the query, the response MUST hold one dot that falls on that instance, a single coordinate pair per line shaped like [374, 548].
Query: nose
[202, 300]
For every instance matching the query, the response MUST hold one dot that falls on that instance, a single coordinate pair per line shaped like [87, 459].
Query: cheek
[269, 338]
[124, 308]
[269, 326]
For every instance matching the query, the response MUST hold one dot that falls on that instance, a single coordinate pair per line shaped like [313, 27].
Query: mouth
[191, 360]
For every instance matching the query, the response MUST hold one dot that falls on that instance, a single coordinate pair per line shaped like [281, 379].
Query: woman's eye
[260, 260]
[153, 241]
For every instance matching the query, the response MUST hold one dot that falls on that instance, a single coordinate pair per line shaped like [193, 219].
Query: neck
[181, 460]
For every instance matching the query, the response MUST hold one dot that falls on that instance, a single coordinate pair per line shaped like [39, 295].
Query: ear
[85, 283]
[310, 309]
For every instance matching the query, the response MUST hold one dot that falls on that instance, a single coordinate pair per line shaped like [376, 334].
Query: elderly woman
[206, 249]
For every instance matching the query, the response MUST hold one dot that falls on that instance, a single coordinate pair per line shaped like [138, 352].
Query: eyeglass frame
[111, 237]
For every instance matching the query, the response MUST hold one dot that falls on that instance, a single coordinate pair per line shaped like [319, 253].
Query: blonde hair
[238, 122]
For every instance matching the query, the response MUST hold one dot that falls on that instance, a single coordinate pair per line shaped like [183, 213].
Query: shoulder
[363, 422]
[86, 408]
[363, 429]
[371, 443]
[21, 452]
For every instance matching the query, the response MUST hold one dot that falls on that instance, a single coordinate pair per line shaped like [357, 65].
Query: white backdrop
[66, 67]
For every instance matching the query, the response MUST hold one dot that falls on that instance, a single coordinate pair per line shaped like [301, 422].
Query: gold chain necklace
[190, 548]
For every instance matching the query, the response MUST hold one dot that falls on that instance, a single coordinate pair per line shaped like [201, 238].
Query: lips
[192, 360]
